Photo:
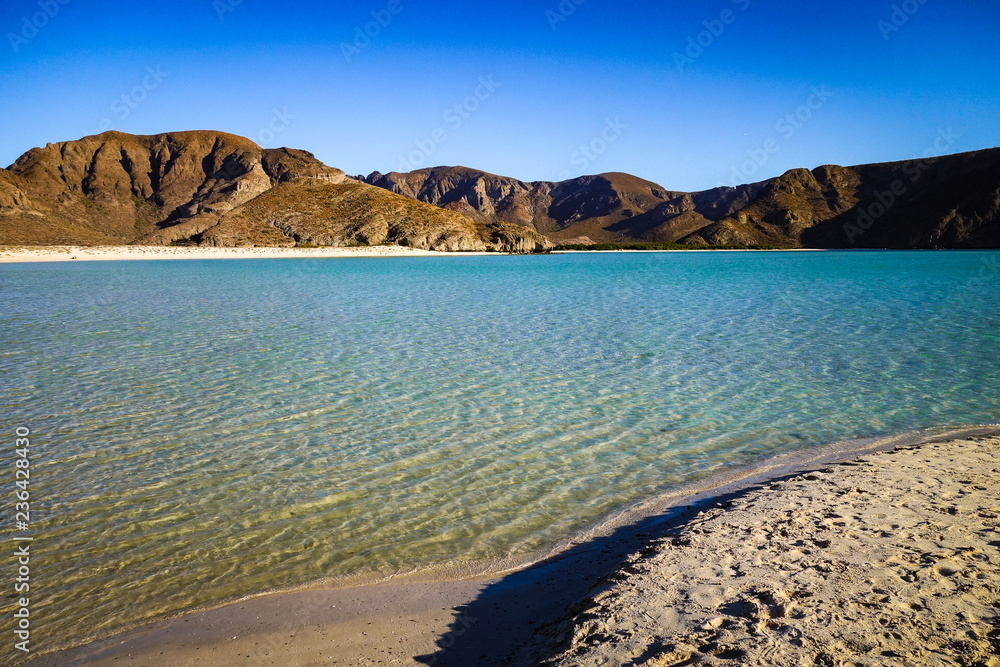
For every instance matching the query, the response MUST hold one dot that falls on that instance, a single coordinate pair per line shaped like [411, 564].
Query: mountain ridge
[950, 201]
[597, 206]
[199, 187]
[215, 188]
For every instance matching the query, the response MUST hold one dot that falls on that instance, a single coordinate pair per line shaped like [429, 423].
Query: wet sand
[881, 553]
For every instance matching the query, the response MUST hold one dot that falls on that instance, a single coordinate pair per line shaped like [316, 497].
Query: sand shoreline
[406, 618]
[888, 558]
[40, 254]
[33, 254]
[23, 254]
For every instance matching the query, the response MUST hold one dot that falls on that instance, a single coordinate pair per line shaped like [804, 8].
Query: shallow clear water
[208, 429]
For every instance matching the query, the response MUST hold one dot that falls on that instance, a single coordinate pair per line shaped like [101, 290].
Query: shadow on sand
[522, 618]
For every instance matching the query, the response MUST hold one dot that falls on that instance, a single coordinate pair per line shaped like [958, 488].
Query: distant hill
[615, 208]
[943, 202]
[220, 189]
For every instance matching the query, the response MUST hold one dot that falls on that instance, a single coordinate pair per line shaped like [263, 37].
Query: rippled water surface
[208, 429]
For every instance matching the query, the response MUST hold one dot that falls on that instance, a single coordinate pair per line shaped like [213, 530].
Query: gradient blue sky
[230, 65]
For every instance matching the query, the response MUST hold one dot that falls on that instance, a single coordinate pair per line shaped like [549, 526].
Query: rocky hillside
[944, 202]
[611, 207]
[218, 189]
[316, 212]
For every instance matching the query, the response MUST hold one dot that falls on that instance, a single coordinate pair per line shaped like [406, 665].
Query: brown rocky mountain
[613, 208]
[318, 212]
[944, 202]
[949, 202]
[218, 189]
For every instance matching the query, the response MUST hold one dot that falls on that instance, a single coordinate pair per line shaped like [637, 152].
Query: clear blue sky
[278, 73]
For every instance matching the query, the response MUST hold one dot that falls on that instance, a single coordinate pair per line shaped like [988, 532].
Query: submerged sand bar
[887, 554]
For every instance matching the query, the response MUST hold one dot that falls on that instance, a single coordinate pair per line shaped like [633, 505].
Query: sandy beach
[11, 254]
[890, 557]
[21, 254]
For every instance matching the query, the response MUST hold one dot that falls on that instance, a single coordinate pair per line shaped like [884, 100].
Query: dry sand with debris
[892, 559]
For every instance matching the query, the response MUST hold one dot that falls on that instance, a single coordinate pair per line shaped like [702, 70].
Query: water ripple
[204, 430]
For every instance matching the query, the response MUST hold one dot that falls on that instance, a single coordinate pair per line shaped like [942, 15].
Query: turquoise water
[208, 429]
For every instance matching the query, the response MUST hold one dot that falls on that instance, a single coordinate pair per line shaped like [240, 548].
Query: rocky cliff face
[179, 187]
[475, 194]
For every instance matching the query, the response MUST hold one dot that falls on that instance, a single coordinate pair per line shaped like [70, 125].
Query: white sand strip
[10, 254]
